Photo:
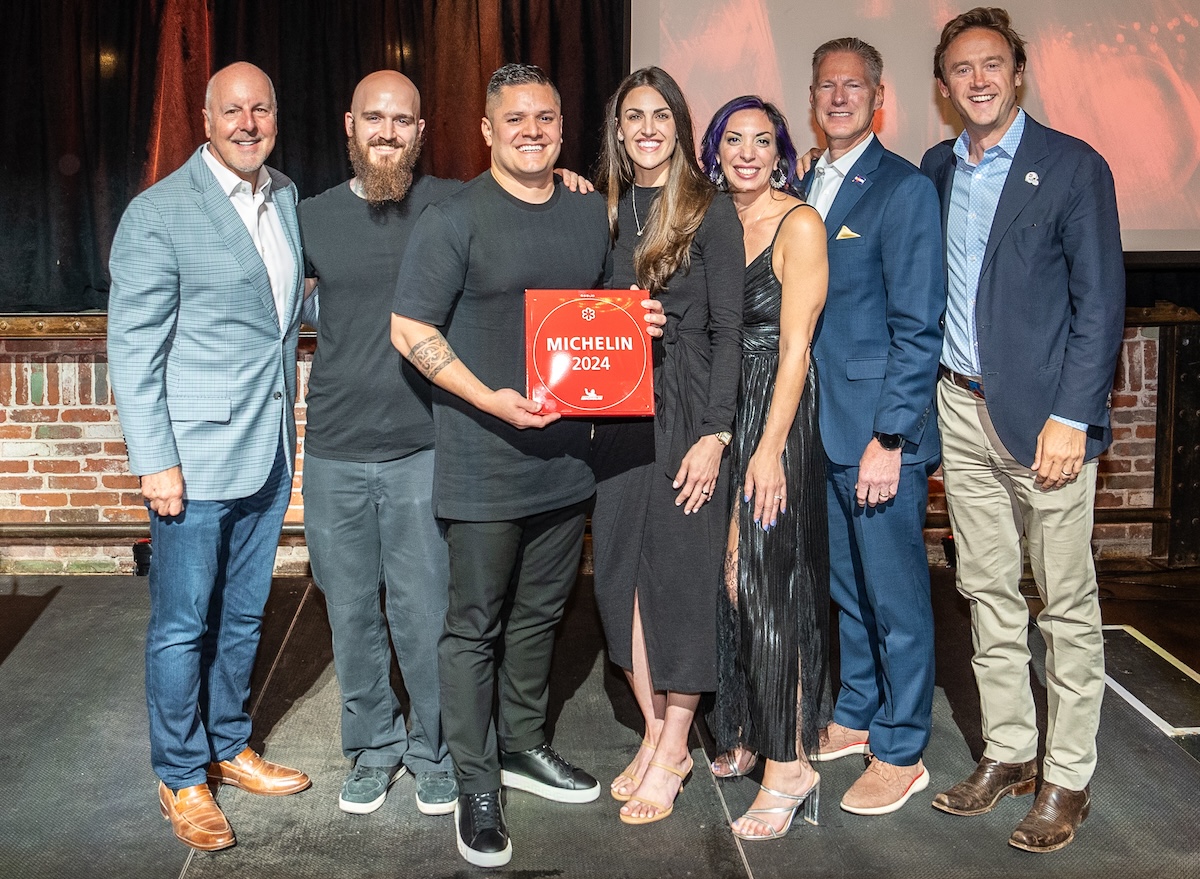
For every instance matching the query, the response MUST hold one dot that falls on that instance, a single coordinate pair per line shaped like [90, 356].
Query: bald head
[384, 128]
[240, 119]
[384, 85]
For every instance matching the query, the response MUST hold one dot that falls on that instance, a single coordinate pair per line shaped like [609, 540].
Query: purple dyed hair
[711, 144]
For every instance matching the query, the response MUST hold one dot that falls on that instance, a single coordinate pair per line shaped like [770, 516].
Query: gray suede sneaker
[437, 792]
[365, 788]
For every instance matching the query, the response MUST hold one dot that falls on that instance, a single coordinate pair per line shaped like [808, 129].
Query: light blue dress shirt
[973, 200]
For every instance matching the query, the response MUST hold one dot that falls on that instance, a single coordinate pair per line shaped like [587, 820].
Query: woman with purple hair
[772, 693]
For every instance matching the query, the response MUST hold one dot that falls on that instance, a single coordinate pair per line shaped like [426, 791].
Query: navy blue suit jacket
[879, 339]
[1050, 312]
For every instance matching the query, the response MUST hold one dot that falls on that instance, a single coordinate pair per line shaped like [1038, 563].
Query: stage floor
[77, 796]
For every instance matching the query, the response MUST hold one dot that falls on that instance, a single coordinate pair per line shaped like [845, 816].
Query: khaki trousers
[993, 502]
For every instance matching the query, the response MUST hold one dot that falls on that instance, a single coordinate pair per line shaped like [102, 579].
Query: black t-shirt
[468, 264]
[365, 401]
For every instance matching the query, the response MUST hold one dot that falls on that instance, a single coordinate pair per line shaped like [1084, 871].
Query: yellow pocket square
[846, 232]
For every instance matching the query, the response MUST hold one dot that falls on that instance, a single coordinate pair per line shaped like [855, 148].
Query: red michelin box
[587, 352]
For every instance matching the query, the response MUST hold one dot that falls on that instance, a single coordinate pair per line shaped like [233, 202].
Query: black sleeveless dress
[773, 643]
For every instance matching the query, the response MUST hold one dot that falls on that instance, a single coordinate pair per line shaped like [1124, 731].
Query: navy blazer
[1050, 312]
[879, 340]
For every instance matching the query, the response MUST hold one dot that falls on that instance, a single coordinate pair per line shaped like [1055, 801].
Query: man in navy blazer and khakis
[203, 320]
[876, 351]
[1033, 327]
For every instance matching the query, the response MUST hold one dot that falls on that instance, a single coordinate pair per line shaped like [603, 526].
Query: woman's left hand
[697, 476]
[766, 488]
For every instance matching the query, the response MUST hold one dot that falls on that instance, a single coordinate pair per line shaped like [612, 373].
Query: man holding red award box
[512, 484]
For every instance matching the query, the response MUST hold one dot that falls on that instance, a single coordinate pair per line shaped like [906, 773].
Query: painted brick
[34, 415]
[25, 450]
[75, 516]
[57, 431]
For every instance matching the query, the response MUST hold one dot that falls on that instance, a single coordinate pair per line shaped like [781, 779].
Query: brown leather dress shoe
[1051, 823]
[195, 817]
[255, 775]
[986, 786]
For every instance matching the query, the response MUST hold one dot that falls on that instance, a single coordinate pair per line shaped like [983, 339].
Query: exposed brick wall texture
[62, 457]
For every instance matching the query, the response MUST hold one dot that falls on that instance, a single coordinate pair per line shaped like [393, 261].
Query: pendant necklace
[636, 221]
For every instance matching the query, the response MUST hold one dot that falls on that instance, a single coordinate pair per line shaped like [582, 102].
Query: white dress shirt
[828, 176]
[258, 212]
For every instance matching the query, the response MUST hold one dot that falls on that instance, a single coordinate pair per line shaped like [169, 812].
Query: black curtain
[103, 97]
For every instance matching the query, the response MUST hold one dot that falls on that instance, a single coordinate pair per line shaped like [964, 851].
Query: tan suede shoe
[884, 788]
[195, 817]
[839, 741]
[255, 775]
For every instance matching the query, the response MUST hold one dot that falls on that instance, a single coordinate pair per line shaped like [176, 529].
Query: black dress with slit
[773, 641]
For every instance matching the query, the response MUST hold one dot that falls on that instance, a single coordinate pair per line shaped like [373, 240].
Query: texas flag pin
[1032, 178]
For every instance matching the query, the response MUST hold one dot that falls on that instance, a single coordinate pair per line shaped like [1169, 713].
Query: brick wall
[62, 459]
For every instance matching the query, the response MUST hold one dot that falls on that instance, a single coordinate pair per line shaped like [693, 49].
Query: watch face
[724, 437]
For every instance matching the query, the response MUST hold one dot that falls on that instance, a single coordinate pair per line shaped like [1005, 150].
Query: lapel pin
[860, 180]
[1032, 178]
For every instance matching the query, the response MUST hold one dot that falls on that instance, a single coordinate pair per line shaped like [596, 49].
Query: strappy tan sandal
[626, 778]
[664, 809]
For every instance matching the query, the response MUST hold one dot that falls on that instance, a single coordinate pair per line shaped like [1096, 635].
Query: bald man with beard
[368, 462]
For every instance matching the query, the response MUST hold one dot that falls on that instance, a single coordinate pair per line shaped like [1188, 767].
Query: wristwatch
[889, 441]
[724, 437]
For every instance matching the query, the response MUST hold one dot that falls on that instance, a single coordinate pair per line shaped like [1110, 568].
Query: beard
[387, 181]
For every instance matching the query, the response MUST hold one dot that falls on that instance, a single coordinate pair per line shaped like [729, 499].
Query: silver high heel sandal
[810, 799]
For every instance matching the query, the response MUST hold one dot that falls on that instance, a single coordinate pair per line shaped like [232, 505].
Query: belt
[973, 385]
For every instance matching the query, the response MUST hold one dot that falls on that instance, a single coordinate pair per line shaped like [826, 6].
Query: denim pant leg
[416, 573]
[341, 527]
[208, 586]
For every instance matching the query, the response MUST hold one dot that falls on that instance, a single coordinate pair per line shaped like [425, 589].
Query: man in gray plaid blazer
[204, 314]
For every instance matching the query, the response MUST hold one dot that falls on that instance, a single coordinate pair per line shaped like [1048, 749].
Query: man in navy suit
[1033, 325]
[876, 351]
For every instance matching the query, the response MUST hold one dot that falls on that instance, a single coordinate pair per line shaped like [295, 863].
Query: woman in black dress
[662, 498]
[773, 694]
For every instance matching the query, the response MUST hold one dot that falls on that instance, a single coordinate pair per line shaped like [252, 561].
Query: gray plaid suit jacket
[203, 375]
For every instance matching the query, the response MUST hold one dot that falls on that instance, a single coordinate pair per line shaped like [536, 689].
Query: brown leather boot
[986, 786]
[1051, 823]
[255, 775]
[195, 817]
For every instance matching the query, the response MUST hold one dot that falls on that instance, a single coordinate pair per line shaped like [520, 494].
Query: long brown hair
[684, 199]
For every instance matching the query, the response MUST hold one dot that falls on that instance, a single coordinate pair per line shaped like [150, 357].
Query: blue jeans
[367, 525]
[209, 583]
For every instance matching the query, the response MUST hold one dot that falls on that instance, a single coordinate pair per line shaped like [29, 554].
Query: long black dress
[640, 540]
[773, 642]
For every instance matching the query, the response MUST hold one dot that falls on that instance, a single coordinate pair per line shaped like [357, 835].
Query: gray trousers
[371, 526]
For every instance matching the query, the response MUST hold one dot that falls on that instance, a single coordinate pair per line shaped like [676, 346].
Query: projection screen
[1121, 74]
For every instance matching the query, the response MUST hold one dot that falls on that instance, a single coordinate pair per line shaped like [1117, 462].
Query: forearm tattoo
[432, 355]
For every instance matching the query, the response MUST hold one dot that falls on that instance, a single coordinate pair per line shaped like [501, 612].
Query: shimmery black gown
[773, 642]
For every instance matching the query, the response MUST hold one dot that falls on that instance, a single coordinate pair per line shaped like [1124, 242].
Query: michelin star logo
[588, 314]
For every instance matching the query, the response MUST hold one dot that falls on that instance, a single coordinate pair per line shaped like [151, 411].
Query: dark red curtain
[103, 97]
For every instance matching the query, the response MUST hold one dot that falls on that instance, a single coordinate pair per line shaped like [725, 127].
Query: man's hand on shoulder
[1059, 455]
[521, 412]
[164, 491]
